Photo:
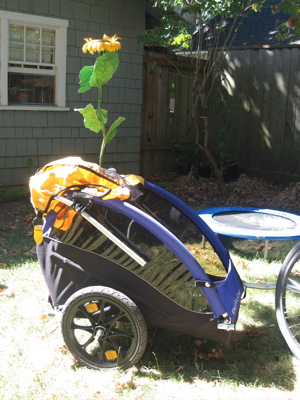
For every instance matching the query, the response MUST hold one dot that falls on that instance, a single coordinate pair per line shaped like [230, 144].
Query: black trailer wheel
[287, 300]
[103, 328]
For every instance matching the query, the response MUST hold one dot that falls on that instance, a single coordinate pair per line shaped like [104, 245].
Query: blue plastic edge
[207, 215]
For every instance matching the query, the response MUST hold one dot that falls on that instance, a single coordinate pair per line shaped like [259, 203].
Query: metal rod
[105, 231]
[266, 248]
[264, 286]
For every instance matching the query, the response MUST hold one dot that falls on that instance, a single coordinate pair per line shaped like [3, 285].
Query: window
[33, 60]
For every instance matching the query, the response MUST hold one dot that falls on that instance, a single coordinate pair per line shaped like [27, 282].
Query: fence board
[293, 122]
[282, 74]
[162, 129]
[265, 109]
[264, 106]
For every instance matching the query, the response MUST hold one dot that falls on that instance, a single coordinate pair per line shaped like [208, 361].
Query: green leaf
[113, 129]
[184, 39]
[103, 116]
[91, 120]
[84, 77]
[104, 69]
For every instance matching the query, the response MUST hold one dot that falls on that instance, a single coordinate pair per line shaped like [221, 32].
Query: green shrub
[14, 193]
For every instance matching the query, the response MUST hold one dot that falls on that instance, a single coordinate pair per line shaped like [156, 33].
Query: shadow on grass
[17, 245]
[257, 356]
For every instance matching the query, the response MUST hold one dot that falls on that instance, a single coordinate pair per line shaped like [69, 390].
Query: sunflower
[99, 45]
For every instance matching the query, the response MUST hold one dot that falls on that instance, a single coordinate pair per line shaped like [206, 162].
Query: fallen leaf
[126, 381]
[244, 264]
[213, 260]
[193, 250]
[198, 355]
[63, 349]
[175, 352]
[3, 266]
[44, 316]
[150, 371]
[44, 336]
[215, 353]
[180, 368]
[252, 334]
[260, 248]
[7, 293]
[199, 342]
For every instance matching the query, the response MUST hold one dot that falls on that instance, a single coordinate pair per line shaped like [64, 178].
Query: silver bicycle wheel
[287, 300]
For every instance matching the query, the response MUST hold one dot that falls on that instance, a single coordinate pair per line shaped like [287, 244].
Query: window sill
[34, 108]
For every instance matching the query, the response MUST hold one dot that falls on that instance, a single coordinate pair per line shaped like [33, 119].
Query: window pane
[16, 52]
[32, 35]
[30, 89]
[32, 53]
[48, 55]
[48, 37]
[16, 33]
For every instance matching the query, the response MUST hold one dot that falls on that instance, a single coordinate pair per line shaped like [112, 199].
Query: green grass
[34, 363]
[253, 249]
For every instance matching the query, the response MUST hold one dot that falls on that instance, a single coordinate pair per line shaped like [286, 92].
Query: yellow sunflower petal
[99, 45]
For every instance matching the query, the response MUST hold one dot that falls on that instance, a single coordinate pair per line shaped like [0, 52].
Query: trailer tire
[103, 328]
[287, 300]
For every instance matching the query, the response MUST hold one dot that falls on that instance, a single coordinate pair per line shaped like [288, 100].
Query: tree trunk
[204, 147]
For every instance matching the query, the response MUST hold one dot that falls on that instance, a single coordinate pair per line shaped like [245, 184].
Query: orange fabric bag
[73, 173]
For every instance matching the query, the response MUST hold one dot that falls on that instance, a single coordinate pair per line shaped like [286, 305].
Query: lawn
[35, 363]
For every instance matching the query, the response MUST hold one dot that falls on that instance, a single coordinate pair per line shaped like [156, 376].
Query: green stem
[103, 145]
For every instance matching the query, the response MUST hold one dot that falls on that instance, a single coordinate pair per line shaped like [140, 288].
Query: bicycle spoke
[88, 342]
[87, 315]
[85, 328]
[104, 329]
[116, 333]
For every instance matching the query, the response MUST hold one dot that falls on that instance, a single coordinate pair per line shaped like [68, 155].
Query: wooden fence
[263, 104]
[259, 117]
[166, 114]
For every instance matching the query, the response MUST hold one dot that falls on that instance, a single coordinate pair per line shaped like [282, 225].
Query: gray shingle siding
[43, 136]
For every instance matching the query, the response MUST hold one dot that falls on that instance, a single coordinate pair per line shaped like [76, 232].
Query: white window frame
[60, 26]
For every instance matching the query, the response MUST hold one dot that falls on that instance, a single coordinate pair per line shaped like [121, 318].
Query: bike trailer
[119, 254]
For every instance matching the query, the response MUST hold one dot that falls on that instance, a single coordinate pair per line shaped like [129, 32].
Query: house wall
[29, 139]
[262, 111]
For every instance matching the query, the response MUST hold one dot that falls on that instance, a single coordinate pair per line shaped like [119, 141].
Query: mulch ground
[197, 192]
[243, 192]
[12, 213]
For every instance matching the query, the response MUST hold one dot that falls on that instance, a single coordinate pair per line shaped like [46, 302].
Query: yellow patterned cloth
[73, 173]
